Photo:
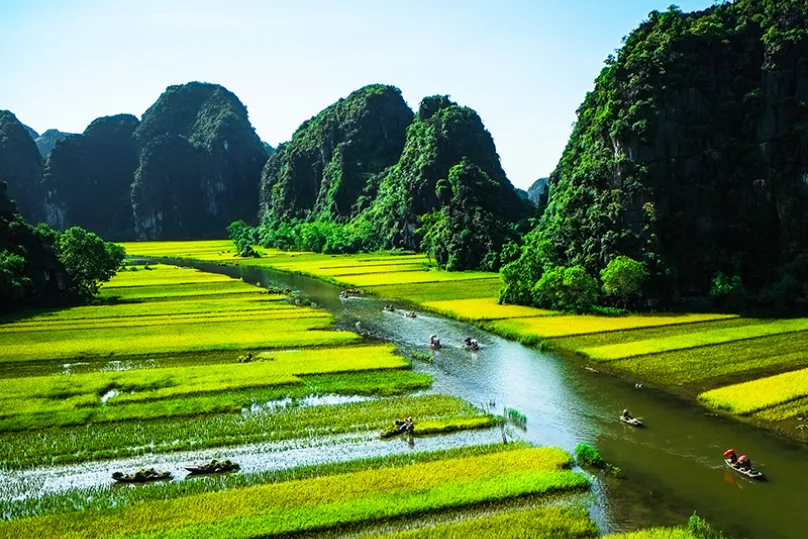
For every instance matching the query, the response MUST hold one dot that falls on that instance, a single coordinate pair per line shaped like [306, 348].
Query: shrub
[566, 289]
[623, 279]
[589, 456]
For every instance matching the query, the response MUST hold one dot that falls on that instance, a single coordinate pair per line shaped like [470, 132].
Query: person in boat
[626, 415]
[434, 341]
[731, 456]
[471, 344]
[744, 463]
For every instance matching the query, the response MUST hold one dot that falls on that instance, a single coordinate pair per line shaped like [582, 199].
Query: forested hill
[691, 154]
[324, 169]
[188, 169]
[365, 173]
[20, 165]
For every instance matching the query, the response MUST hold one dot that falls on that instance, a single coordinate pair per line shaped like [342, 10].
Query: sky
[523, 65]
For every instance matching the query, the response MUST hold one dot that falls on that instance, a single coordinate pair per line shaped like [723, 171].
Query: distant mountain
[34, 134]
[20, 165]
[47, 140]
[522, 194]
[215, 173]
[188, 169]
[98, 165]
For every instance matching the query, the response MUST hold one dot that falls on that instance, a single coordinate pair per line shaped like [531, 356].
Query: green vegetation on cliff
[363, 173]
[689, 155]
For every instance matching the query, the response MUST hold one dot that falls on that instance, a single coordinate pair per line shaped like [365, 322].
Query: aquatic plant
[588, 455]
[515, 416]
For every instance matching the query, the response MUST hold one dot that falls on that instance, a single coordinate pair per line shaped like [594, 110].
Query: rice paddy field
[691, 354]
[176, 360]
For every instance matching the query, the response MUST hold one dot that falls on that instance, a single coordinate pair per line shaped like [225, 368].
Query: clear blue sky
[524, 65]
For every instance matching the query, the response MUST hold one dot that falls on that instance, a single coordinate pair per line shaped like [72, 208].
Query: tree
[244, 236]
[13, 281]
[623, 278]
[88, 259]
[566, 289]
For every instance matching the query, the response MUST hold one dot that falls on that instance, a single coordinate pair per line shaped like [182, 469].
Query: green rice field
[322, 503]
[698, 351]
[217, 363]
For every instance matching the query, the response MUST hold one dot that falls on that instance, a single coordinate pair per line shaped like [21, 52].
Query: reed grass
[568, 325]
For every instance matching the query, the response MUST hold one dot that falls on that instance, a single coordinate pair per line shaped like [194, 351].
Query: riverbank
[703, 357]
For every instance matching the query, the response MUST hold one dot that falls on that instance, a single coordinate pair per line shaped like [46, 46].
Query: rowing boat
[634, 422]
[751, 473]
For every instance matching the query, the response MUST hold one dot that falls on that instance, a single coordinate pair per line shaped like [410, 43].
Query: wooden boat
[134, 478]
[212, 468]
[634, 422]
[751, 473]
[350, 293]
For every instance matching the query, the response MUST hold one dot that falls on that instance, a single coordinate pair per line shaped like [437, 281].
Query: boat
[142, 476]
[634, 422]
[350, 293]
[214, 467]
[750, 473]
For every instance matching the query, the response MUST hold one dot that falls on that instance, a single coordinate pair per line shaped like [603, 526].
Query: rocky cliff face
[20, 165]
[328, 164]
[537, 192]
[87, 178]
[226, 157]
[691, 153]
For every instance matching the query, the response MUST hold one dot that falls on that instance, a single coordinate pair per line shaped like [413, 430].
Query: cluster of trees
[529, 282]
[41, 266]
[689, 156]
[367, 174]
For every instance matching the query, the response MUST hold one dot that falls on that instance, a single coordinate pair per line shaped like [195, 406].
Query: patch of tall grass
[42, 396]
[322, 503]
[193, 336]
[126, 438]
[423, 292]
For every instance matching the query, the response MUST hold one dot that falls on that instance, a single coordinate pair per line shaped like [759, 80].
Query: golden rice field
[759, 395]
[482, 309]
[568, 325]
